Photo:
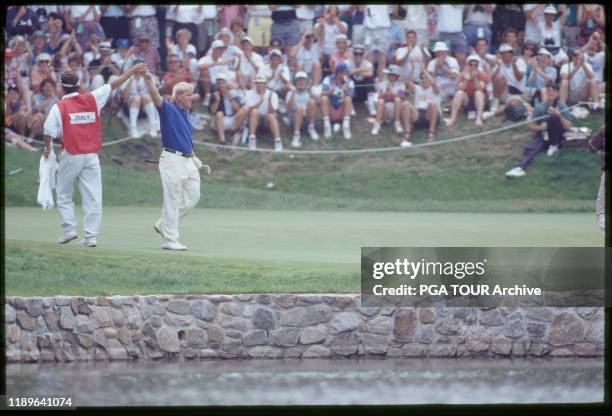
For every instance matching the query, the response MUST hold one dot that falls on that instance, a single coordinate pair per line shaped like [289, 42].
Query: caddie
[178, 165]
[76, 119]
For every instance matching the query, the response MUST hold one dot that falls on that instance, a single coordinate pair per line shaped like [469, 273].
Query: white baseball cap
[550, 10]
[473, 57]
[301, 74]
[261, 79]
[217, 44]
[440, 47]
[247, 39]
[544, 51]
[341, 36]
[276, 52]
[505, 47]
[221, 76]
[43, 57]
[393, 70]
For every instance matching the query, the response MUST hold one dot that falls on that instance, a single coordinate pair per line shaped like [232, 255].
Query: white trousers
[600, 205]
[85, 171]
[181, 185]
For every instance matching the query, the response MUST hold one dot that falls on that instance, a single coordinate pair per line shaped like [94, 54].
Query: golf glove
[201, 166]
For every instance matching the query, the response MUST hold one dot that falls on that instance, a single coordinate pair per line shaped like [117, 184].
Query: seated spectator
[342, 53]
[337, 101]
[41, 105]
[277, 74]
[250, 64]
[302, 109]
[148, 53]
[425, 112]
[507, 16]
[596, 57]
[93, 49]
[578, 82]
[177, 72]
[57, 36]
[391, 93]
[16, 111]
[11, 71]
[591, 18]
[361, 72]
[445, 69]
[511, 37]
[103, 70]
[542, 73]
[548, 132]
[136, 94]
[21, 20]
[262, 104]
[75, 65]
[550, 32]
[211, 65]
[184, 50]
[488, 61]
[306, 55]
[471, 93]
[41, 71]
[413, 55]
[39, 45]
[231, 49]
[70, 48]
[509, 76]
[228, 110]
[123, 55]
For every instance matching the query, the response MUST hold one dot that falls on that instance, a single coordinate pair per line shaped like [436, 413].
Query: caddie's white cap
[301, 74]
[440, 47]
[505, 47]
[544, 51]
[217, 44]
[550, 10]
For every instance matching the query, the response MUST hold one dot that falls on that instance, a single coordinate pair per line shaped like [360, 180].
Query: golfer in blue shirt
[178, 165]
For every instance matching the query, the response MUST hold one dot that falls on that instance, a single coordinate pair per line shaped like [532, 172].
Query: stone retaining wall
[285, 326]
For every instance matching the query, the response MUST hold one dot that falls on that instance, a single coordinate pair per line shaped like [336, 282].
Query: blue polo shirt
[176, 129]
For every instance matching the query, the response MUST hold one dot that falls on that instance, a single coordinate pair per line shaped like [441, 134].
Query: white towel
[46, 174]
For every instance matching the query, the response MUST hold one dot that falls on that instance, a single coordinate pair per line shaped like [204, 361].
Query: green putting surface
[250, 251]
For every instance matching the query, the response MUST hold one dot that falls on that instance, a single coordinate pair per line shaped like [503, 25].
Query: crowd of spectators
[312, 66]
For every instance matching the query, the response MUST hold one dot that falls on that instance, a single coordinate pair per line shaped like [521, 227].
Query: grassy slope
[457, 177]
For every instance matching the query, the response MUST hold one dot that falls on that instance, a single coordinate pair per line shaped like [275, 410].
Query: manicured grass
[241, 251]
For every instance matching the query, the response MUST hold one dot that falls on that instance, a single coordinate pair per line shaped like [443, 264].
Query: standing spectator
[184, 17]
[237, 28]
[361, 72]
[506, 16]
[57, 36]
[509, 76]
[21, 20]
[357, 30]
[337, 101]
[425, 112]
[307, 56]
[450, 28]
[259, 27]
[136, 95]
[228, 13]
[578, 81]
[176, 73]
[41, 105]
[570, 31]
[228, 110]
[445, 69]
[305, 16]
[250, 64]
[411, 57]
[93, 49]
[86, 20]
[591, 18]
[377, 23]
[391, 93]
[207, 27]
[262, 103]
[114, 22]
[21, 60]
[550, 33]
[512, 38]
[596, 57]
[471, 93]
[395, 35]
[143, 20]
[327, 30]
[548, 132]
[478, 23]
[149, 54]
[39, 45]
[416, 21]
[285, 26]
[534, 17]
[41, 70]
[302, 109]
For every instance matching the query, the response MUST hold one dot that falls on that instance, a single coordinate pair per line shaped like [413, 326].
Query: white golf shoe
[515, 172]
[552, 150]
[157, 228]
[89, 242]
[173, 245]
[66, 238]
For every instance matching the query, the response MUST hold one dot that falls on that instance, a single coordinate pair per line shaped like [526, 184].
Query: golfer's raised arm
[157, 99]
[125, 76]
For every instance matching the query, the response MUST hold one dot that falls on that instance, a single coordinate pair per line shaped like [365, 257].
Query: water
[314, 382]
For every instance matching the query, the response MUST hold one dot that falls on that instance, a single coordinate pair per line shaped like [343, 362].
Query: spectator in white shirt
[136, 94]
[210, 65]
[425, 112]
[361, 72]
[328, 27]
[302, 109]
[478, 21]
[262, 104]
[250, 64]
[445, 69]
[305, 16]
[450, 30]
[277, 74]
[184, 49]
[306, 57]
[509, 76]
[534, 16]
[413, 55]
[377, 22]
[391, 93]
[228, 110]
[416, 21]
[578, 82]
[596, 57]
